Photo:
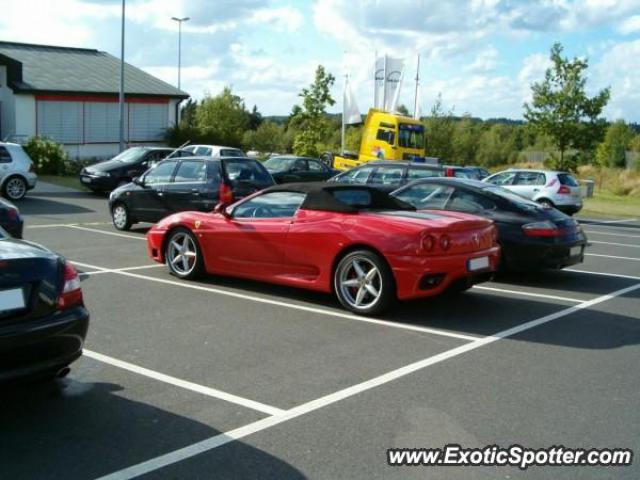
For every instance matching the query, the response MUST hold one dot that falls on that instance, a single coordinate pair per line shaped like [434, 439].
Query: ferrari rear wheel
[182, 254]
[364, 283]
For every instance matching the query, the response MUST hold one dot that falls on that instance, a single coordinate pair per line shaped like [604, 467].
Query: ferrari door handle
[195, 191]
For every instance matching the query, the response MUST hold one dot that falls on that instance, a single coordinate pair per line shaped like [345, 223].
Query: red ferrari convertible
[365, 246]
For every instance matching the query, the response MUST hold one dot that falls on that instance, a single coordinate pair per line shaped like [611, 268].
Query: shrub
[48, 156]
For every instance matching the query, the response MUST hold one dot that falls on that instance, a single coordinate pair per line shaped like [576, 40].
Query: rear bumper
[410, 272]
[569, 209]
[539, 257]
[42, 346]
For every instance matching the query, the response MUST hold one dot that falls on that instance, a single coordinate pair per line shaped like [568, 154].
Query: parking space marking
[527, 294]
[304, 308]
[594, 221]
[613, 234]
[612, 256]
[254, 427]
[94, 230]
[604, 274]
[115, 270]
[618, 244]
[58, 225]
[194, 387]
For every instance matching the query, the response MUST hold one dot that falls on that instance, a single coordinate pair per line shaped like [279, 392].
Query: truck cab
[386, 136]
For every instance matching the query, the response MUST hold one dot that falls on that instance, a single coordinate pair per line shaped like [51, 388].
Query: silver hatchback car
[556, 189]
[17, 171]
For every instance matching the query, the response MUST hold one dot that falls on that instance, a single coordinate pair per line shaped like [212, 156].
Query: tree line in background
[562, 124]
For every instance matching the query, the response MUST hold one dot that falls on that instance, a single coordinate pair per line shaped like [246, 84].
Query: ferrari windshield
[411, 136]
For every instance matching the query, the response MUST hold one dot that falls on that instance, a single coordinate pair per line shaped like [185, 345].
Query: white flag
[417, 113]
[350, 110]
[387, 79]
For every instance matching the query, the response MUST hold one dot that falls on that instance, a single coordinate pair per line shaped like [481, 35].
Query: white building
[71, 96]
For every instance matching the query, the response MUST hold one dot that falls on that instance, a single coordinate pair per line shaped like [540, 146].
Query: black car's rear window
[231, 152]
[567, 179]
[246, 171]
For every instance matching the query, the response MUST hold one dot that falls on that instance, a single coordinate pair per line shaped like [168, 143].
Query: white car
[212, 151]
[555, 189]
[17, 171]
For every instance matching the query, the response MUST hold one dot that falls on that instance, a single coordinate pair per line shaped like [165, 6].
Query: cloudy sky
[480, 55]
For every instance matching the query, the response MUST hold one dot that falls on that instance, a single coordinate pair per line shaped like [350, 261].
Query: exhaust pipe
[63, 372]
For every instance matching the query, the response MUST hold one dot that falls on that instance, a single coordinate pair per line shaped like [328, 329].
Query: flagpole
[384, 84]
[375, 81]
[344, 95]
[415, 100]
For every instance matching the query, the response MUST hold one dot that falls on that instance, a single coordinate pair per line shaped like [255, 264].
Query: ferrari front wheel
[182, 254]
[363, 283]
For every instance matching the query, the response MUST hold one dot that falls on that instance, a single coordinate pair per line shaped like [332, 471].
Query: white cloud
[485, 61]
[630, 25]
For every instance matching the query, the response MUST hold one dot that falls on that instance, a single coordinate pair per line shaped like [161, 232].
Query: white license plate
[11, 299]
[575, 251]
[477, 263]
[85, 179]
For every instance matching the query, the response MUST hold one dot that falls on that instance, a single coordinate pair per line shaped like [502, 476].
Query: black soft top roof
[320, 196]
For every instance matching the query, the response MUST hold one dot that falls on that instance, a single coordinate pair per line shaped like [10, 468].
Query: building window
[95, 121]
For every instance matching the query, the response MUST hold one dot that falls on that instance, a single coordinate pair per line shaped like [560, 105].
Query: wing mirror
[221, 208]
[138, 181]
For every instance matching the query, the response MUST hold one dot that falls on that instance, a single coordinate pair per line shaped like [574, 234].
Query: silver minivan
[555, 189]
[17, 171]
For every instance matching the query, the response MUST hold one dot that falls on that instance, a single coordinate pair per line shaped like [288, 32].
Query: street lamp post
[121, 93]
[179, 20]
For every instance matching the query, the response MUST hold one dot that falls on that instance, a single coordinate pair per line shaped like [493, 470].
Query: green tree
[222, 119]
[188, 113]
[466, 135]
[439, 128]
[561, 109]
[269, 138]
[255, 118]
[612, 151]
[310, 121]
[495, 146]
[402, 109]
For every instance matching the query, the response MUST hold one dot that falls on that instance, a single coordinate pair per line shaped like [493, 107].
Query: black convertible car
[43, 321]
[532, 236]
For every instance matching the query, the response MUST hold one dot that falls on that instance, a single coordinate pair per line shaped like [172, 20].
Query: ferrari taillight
[225, 194]
[71, 293]
[427, 243]
[445, 242]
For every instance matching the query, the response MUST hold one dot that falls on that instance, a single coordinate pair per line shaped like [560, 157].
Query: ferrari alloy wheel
[182, 254]
[120, 217]
[15, 188]
[363, 282]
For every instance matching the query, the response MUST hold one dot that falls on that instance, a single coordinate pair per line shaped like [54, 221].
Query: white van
[17, 171]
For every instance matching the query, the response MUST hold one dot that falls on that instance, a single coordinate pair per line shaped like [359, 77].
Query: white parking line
[95, 230]
[595, 221]
[611, 256]
[527, 294]
[57, 225]
[294, 306]
[618, 244]
[616, 275]
[238, 433]
[594, 232]
[194, 387]
[115, 270]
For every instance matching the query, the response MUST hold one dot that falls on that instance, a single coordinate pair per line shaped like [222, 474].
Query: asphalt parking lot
[226, 378]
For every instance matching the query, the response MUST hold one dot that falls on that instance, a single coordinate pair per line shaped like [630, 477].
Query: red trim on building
[99, 98]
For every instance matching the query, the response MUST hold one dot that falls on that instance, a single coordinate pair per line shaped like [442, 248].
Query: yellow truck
[386, 136]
